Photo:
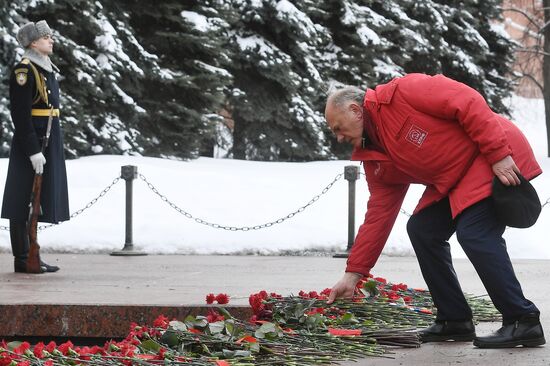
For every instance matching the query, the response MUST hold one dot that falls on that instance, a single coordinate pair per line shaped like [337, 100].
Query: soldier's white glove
[38, 160]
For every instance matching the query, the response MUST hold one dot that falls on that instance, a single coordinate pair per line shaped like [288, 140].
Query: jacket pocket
[404, 125]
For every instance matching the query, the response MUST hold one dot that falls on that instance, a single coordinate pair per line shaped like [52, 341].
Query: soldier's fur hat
[30, 32]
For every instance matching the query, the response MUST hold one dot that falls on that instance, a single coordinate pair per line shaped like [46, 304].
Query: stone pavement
[118, 290]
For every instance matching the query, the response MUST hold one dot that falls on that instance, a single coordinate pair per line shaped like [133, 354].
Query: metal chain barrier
[242, 228]
[204, 222]
[76, 213]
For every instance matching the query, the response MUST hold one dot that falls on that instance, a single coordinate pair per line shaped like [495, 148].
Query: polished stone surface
[99, 295]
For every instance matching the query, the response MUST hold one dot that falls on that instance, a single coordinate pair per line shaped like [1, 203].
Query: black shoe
[527, 332]
[47, 268]
[447, 330]
[21, 267]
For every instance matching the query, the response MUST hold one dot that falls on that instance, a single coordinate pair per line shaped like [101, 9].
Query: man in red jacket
[440, 133]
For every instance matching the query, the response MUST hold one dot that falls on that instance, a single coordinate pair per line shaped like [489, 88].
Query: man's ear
[356, 109]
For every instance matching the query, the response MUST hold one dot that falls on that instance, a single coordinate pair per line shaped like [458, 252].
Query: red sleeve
[445, 98]
[382, 209]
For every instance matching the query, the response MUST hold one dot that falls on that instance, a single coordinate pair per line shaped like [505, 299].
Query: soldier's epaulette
[25, 61]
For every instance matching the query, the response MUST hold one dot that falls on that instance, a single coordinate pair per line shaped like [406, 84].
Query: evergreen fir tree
[273, 48]
[183, 90]
[154, 78]
[8, 57]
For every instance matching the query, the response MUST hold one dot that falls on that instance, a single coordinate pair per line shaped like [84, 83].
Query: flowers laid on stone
[292, 330]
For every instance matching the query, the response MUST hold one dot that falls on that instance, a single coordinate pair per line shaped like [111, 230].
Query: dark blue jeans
[480, 234]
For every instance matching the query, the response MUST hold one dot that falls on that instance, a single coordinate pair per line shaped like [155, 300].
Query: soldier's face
[44, 45]
[346, 122]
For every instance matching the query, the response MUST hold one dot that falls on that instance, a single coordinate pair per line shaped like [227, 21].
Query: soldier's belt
[44, 112]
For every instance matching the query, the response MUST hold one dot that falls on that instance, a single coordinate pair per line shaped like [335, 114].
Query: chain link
[76, 213]
[242, 228]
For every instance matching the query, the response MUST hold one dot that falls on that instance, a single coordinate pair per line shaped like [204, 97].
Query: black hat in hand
[516, 206]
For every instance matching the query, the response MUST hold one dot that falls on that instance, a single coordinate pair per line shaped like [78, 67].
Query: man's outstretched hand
[506, 170]
[345, 287]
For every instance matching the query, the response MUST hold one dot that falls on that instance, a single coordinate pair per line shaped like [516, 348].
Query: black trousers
[19, 241]
[480, 234]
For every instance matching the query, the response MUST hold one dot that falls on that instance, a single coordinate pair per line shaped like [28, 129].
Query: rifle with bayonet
[33, 262]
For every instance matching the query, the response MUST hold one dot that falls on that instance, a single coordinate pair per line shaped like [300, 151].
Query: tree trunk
[546, 71]
[239, 145]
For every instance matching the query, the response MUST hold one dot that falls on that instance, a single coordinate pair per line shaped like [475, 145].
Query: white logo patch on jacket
[416, 135]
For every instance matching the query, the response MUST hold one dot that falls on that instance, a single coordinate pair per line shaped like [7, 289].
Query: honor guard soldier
[34, 97]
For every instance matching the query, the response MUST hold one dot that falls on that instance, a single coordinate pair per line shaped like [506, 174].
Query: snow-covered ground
[246, 193]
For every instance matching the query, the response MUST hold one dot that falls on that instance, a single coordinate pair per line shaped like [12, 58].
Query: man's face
[346, 122]
[44, 45]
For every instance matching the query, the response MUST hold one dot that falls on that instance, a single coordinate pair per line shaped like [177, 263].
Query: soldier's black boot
[47, 268]
[20, 248]
[448, 330]
[527, 332]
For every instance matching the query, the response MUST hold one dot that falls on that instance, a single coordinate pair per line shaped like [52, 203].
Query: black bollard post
[351, 174]
[128, 173]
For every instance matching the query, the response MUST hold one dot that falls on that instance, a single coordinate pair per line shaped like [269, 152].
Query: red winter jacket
[437, 132]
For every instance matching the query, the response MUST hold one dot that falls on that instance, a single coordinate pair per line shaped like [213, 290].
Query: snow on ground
[247, 193]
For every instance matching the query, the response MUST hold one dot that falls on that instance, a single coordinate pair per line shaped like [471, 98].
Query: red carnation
[51, 347]
[213, 316]
[22, 348]
[38, 350]
[64, 348]
[313, 294]
[222, 299]
[210, 298]
[161, 322]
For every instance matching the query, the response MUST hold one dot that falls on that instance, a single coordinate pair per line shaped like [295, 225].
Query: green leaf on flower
[196, 322]
[298, 310]
[13, 345]
[368, 322]
[400, 302]
[170, 338]
[348, 318]
[150, 346]
[269, 331]
[225, 313]
[230, 327]
[371, 288]
[253, 346]
[235, 353]
[267, 327]
[242, 353]
[177, 325]
[190, 320]
[216, 327]
[201, 321]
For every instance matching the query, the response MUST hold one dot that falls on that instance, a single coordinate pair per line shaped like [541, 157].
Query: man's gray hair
[341, 96]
